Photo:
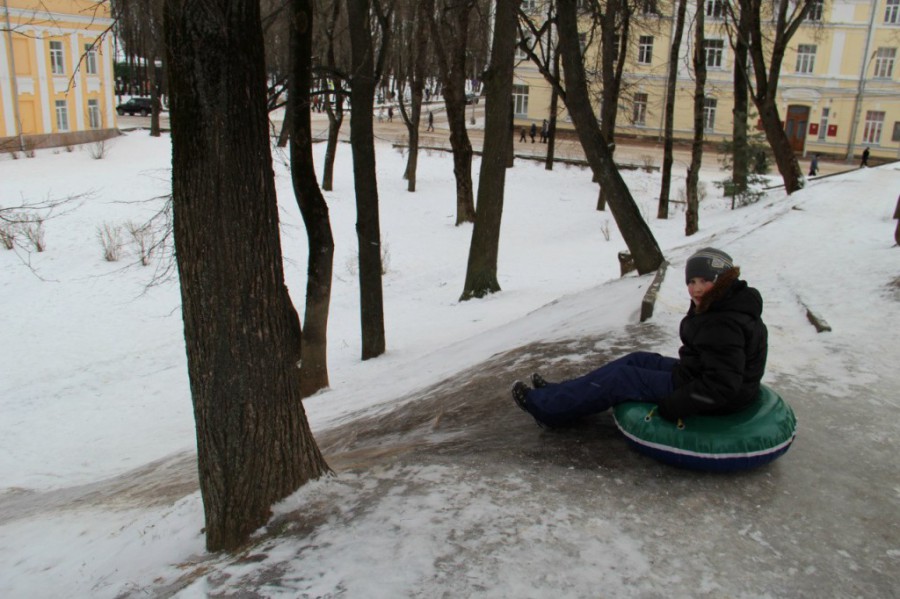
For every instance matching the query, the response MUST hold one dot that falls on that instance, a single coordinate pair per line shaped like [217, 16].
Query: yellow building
[56, 73]
[839, 90]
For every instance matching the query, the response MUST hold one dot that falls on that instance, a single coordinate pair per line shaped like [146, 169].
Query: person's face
[697, 288]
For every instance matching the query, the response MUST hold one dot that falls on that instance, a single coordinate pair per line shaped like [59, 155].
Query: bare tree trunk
[335, 119]
[692, 213]
[362, 141]
[154, 98]
[554, 108]
[336, 114]
[241, 333]
[412, 127]
[417, 89]
[511, 137]
[314, 355]
[740, 144]
[671, 84]
[481, 274]
[775, 38]
[615, 21]
[785, 159]
[452, 66]
[286, 126]
[637, 235]
[897, 218]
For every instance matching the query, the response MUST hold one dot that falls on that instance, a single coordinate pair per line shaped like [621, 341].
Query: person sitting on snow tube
[718, 370]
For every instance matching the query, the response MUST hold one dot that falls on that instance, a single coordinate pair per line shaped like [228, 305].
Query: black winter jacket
[723, 355]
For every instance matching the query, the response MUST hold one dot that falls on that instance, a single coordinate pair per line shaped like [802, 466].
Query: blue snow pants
[638, 376]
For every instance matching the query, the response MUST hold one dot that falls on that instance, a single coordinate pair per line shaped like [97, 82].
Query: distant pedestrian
[544, 131]
[533, 131]
[390, 114]
[430, 121]
[865, 158]
[814, 166]
[524, 133]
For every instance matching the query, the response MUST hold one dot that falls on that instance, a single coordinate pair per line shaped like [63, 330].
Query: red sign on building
[832, 130]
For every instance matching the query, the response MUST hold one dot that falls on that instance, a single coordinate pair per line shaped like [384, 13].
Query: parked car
[142, 106]
[471, 99]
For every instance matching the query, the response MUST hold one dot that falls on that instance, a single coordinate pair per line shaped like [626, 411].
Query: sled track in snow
[459, 412]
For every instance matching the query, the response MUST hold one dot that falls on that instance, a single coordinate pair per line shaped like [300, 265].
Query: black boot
[537, 381]
[520, 392]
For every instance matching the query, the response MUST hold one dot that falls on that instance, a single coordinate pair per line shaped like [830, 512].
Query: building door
[795, 126]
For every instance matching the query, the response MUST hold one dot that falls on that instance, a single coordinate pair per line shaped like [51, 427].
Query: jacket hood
[731, 294]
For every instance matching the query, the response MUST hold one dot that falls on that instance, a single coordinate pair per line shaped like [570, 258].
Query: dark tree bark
[284, 136]
[637, 235]
[554, 108]
[481, 274]
[335, 120]
[416, 75]
[776, 38]
[314, 358]
[362, 140]
[336, 113]
[241, 333]
[740, 151]
[450, 30]
[897, 218]
[671, 84]
[155, 103]
[615, 23]
[510, 137]
[692, 212]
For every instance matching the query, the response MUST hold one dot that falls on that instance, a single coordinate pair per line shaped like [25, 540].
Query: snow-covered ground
[93, 380]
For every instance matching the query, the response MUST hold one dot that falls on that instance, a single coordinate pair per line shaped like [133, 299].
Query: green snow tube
[750, 438]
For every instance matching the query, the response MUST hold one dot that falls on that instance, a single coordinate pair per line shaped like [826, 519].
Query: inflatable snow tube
[747, 439]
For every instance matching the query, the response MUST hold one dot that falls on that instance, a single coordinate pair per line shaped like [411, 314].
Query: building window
[90, 59]
[823, 123]
[715, 9]
[884, 62]
[806, 58]
[645, 49]
[892, 12]
[57, 59]
[714, 50]
[648, 7]
[639, 115]
[530, 6]
[582, 42]
[815, 11]
[874, 124]
[94, 113]
[62, 116]
[709, 114]
[520, 100]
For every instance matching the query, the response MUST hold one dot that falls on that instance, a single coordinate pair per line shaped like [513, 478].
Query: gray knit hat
[708, 263]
